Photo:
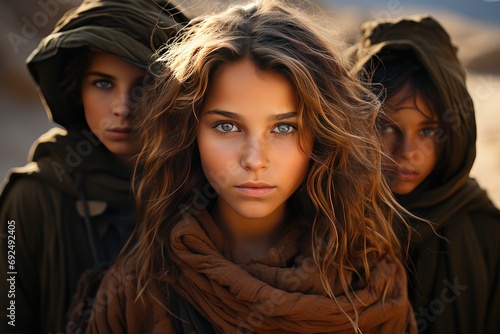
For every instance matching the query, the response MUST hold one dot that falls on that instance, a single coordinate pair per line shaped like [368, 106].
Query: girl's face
[248, 142]
[410, 140]
[107, 86]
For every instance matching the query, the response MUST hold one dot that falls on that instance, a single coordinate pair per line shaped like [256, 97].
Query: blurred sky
[24, 22]
[486, 11]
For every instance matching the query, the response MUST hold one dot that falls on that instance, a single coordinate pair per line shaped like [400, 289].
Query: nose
[254, 155]
[121, 104]
[409, 148]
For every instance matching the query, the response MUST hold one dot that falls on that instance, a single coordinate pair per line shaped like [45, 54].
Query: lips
[119, 133]
[255, 189]
[121, 129]
[407, 175]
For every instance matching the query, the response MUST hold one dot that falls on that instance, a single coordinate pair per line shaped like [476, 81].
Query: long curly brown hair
[349, 207]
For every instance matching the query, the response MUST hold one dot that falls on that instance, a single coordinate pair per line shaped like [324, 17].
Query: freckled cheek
[218, 159]
[98, 120]
[290, 156]
[427, 147]
[295, 172]
[97, 117]
[215, 156]
[92, 114]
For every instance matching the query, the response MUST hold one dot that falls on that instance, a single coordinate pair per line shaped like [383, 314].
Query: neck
[248, 237]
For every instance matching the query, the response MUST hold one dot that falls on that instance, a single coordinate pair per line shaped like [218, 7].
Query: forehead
[106, 62]
[242, 88]
[406, 99]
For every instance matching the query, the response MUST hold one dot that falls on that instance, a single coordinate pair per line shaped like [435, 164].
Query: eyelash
[218, 124]
[99, 81]
[293, 128]
[392, 129]
[433, 130]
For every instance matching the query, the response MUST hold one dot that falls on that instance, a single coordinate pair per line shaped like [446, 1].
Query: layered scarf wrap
[282, 291]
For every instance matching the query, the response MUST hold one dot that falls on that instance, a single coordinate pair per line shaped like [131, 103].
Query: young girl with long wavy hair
[261, 202]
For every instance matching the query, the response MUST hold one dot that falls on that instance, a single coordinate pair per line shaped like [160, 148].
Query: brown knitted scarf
[282, 292]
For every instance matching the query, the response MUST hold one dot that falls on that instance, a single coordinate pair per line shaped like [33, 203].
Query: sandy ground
[23, 119]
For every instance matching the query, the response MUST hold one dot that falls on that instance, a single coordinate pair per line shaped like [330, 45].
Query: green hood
[129, 29]
[432, 46]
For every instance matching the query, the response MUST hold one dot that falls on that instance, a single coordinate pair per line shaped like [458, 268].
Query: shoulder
[30, 207]
[27, 193]
[470, 214]
[24, 185]
[480, 222]
[486, 227]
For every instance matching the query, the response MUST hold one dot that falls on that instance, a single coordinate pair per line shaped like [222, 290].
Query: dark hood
[434, 50]
[129, 29]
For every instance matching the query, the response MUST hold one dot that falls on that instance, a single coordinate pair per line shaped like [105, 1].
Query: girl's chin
[402, 189]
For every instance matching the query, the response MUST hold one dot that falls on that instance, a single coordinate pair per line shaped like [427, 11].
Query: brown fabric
[81, 303]
[116, 309]
[281, 292]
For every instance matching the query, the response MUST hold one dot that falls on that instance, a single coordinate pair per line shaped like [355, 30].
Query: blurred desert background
[474, 26]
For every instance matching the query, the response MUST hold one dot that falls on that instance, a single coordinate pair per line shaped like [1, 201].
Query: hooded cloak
[454, 273]
[110, 26]
[72, 203]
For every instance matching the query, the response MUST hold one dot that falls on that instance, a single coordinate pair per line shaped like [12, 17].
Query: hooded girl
[429, 132]
[70, 208]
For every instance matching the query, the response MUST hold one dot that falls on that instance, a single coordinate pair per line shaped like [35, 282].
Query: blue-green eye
[105, 84]
[428, 132]
[226, 127]
[284, 128]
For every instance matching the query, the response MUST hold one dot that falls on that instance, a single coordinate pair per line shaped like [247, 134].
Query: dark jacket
[71, 208]
[47, 205]
[454, 273]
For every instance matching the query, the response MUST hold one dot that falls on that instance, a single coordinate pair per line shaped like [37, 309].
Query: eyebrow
[233, 115]
[100, 74]
[429, 122]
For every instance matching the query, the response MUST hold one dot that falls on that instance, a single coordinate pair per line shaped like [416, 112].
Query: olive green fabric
[71, 170]
[454, 279]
